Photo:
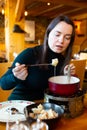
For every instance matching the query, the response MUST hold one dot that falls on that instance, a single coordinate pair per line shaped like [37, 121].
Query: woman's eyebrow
[65, 34]
[68, 34]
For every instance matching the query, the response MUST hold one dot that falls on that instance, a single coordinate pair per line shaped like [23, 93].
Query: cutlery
[68, 74]
[54, 63]
[32, 65]
[14, 110]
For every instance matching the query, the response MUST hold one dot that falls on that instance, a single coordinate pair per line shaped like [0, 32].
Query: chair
[4, 93]
[4, 67]
[80, 69]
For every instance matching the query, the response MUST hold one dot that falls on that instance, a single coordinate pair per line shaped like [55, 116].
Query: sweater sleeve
[8, 80]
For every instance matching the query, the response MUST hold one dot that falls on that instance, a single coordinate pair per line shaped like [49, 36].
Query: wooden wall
[40, 28]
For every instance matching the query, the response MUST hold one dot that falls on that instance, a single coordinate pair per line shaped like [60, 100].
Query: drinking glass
[23, 125]
[39, 125]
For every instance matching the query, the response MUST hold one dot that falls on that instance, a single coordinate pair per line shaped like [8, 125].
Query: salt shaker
[39, 125]
[17, 126]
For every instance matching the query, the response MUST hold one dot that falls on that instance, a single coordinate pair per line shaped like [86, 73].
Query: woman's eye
[67, 38]
[56, 34]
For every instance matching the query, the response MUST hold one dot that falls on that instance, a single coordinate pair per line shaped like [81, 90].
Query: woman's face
[60, 37]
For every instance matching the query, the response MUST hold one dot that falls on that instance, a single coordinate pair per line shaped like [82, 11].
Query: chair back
[80, 69]
[4, 67]
[4, 93]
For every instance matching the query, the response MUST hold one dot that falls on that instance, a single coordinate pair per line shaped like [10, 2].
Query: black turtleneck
[37, 80]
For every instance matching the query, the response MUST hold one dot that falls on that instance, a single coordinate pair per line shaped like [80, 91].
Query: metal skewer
[68, 74]
[32, 65]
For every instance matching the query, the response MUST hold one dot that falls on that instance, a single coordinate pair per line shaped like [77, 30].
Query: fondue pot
[61, 86]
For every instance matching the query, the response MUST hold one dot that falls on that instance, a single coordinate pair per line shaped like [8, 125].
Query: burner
[72, 105]
[80, 92]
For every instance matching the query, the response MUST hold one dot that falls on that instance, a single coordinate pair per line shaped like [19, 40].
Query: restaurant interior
[23, 24]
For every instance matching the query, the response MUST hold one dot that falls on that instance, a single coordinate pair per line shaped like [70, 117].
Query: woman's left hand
[72, 69]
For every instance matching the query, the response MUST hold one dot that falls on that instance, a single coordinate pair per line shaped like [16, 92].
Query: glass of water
[17, 125]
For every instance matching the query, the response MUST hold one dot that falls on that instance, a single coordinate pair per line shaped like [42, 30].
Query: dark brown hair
[68, 51]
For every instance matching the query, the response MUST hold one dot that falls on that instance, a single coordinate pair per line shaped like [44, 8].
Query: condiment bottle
[39, 125]
[17, 126]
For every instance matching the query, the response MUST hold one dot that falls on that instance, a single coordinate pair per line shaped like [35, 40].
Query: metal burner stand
[73, 106]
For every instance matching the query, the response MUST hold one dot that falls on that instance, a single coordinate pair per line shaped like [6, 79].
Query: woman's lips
[59, 47]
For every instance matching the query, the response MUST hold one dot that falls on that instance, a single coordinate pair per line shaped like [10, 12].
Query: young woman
[29, 83]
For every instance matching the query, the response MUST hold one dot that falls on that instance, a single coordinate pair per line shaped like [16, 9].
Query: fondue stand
[72, 105]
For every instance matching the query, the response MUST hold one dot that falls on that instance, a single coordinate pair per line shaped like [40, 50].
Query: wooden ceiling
[40, 8]
[68, 7]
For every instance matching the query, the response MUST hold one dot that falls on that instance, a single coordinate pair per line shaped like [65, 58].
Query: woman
[29, 83]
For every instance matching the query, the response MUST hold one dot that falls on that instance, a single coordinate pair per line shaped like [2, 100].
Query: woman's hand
[20, 71]
[72, 69]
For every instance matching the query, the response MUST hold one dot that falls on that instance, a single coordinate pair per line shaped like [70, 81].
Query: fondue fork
[13, 111]
[32, 65]
[68, 74]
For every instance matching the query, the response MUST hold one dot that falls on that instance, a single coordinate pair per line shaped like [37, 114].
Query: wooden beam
[48, 10]
[75, 3]
[19, 11]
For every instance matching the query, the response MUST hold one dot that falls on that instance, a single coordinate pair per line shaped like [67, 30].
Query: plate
[6, 116]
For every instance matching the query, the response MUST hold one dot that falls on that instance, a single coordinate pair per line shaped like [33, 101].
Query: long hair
[68, 51]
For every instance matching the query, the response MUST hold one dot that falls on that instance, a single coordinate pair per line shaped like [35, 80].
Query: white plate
[5, 116]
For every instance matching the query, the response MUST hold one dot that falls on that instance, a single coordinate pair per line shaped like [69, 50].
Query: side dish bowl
[51, 122]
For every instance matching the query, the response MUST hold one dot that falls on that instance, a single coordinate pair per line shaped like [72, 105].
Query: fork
[68, 74]
[32, 65]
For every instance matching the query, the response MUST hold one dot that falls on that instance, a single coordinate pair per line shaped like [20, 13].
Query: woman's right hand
[20, 71]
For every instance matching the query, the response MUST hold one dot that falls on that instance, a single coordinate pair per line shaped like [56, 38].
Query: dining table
[66, 123]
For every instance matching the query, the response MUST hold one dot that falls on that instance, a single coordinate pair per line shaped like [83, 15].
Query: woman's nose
[61, 39]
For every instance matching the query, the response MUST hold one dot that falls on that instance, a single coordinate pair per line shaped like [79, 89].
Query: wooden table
[77, 123]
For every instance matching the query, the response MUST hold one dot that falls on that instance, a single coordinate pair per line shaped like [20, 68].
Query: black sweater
[37, 80]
